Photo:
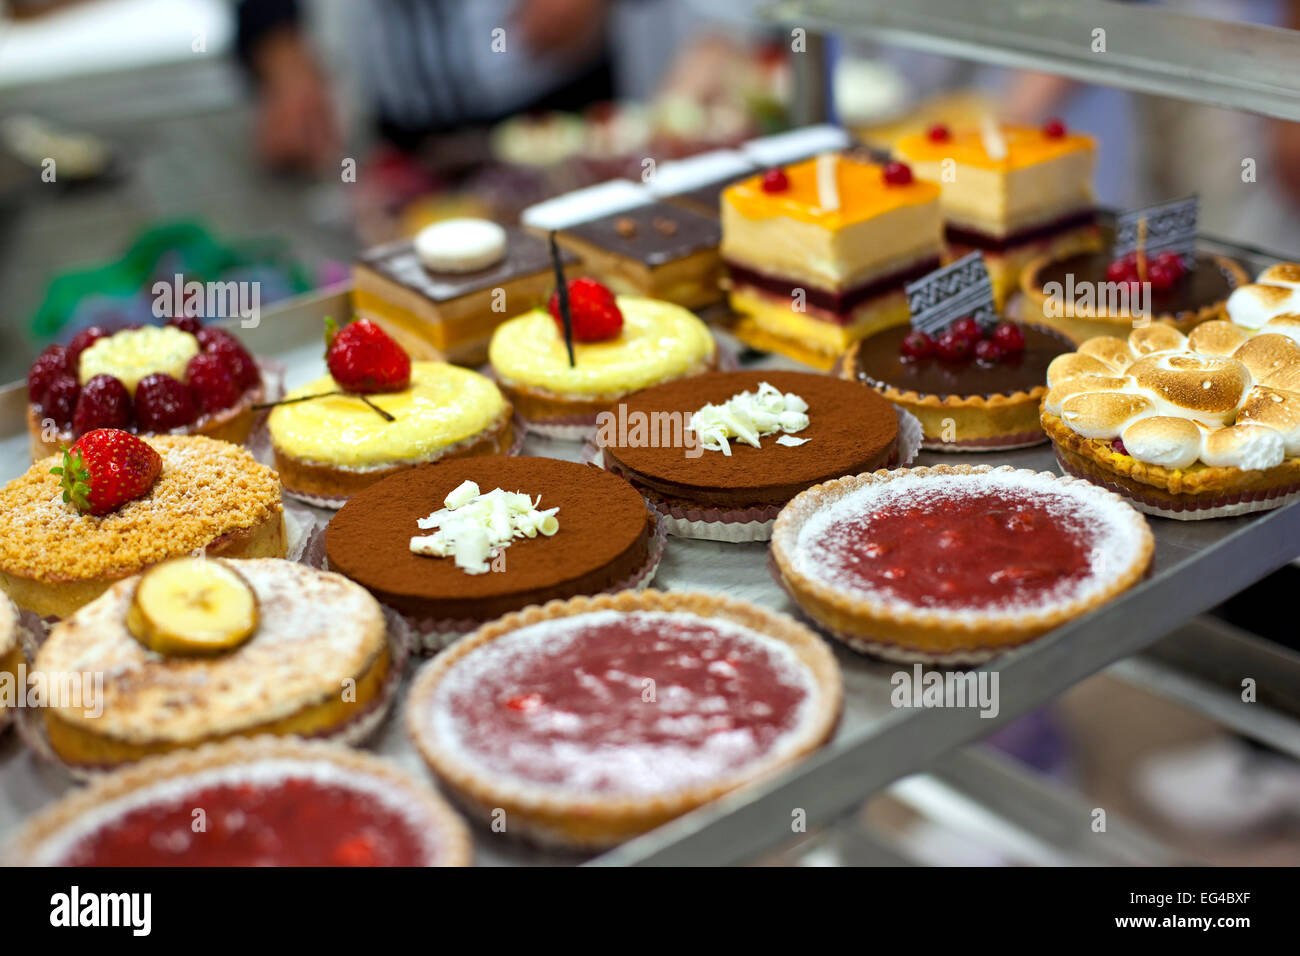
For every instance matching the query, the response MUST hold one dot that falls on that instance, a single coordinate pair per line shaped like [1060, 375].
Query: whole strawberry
[106, 468]
[104, 403]
[363, 358]
[596, 316]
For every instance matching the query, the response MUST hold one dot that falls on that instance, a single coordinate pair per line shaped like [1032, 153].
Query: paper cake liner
[754, 523]
[431, 635]
[352, 732]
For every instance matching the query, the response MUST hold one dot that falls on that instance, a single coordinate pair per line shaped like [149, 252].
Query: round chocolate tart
[962, 406]
[850, 429]
[604, 539]
[1197, 296]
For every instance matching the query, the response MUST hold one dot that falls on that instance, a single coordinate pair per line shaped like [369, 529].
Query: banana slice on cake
[192, 606]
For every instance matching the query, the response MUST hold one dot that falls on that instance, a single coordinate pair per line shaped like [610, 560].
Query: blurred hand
[297, 126]
[707, 69]
[560, 28]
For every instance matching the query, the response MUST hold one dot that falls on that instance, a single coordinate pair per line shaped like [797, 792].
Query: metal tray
[1197, 565]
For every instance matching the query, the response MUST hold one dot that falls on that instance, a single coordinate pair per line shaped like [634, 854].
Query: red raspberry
[49, 365]
[775, 180]
[225, 346]
[213, 386]
[897, 174]
[953, 347]
[104, 403]
[60, 399]
[1054, 129]
[186, 323]
[968, 328]
[80, 342]
[163, 404]
[988, 352]
[938, 133]
[1009, 338]
[917, 345]
[595, 312]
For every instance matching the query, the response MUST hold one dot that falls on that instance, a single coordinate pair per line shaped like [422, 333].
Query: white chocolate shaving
[748, 416]
[828, 190]
[474, 528]
[991, 136]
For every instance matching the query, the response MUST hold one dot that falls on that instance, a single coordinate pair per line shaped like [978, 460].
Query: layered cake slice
[818, 260]
[1010, 192]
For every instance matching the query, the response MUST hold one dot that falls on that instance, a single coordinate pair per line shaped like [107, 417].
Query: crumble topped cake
[209, 496]
[11, 652]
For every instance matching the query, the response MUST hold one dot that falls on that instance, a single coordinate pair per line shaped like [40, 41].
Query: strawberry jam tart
[718, 456]
[265, 802]
[181, 378]
[456, 544]
[955, 563]
[593, 720]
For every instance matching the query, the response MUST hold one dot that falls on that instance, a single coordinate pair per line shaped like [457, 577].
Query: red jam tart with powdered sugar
[940, 561]
[597, 719]
[261, 803]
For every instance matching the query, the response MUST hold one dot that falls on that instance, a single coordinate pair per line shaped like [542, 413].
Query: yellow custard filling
[659, 341]
[132, 354]
[443, 405]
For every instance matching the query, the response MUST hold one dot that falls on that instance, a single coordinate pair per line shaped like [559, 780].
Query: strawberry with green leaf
[106, 468]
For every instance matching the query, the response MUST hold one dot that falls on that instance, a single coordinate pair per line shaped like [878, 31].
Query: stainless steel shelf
[1148, 49]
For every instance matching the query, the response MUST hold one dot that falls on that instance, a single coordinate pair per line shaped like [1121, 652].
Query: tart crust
[453, 845]
[11, 652]
[595, 820]
[858, 619]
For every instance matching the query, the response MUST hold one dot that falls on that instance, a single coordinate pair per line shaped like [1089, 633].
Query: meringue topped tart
[210, 497]
[955, 561]
[594, 720]
[267, 802]
[316, 632]
[656, 342]
[1187, 427]
[1271, 303]
[328, 448]
[11, 653]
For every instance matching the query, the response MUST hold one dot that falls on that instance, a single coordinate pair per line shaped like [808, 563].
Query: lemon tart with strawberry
[621, 344]
[115, 504]
[179, 378]
[376, 413]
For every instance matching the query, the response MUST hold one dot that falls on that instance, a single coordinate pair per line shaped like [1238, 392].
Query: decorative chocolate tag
[1170, 227]
[947, 294]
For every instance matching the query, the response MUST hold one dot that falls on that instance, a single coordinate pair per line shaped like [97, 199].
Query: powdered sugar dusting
[607, 702]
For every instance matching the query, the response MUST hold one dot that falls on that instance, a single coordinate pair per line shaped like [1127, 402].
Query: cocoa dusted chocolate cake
[718, 455]
[470, 540]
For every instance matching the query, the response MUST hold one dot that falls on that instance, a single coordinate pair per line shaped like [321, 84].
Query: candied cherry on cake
[242, 367]
[186, 323]
[80, 342]
[593, 308]
[1054, 128]
[775, 180]
[49, 365]
[938, 133]
[1009, 338]
[162, 403]
[60, 399]
[1122, 269]
[897, 174]
[917, 345]
[213, 386]
[1162, 276]
[988, 352]
[1171, 261]
[968, 328]
[953, 346]
[104, 403]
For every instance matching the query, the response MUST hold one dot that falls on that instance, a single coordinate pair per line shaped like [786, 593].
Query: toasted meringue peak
[1072, 365]
[1267, 353]
[1280, 273]
[1277, 409]
[1218, 337]
[1103, 414]
[1247, 446]
[1106, 348]
[1156, 338]
[1163, 440]
[1083, 383]
[1287, 324]
[1250, 306]
[1205, 387]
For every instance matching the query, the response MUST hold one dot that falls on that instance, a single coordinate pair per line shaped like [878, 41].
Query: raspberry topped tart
[267, 802]
[456, 544]
[197, 650]
[1188, 427]
[719, 456]
[376, 413]
[593, 720]
[181, 378]
[955, 563]
[121, 504]
[620, 344]
[972, 389]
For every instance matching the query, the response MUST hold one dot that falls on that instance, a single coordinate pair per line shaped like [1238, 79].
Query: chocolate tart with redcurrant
[972, 389]
[182, 378]
[955, 563]
[593, 720]
[266, 801]
[1093, 293]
